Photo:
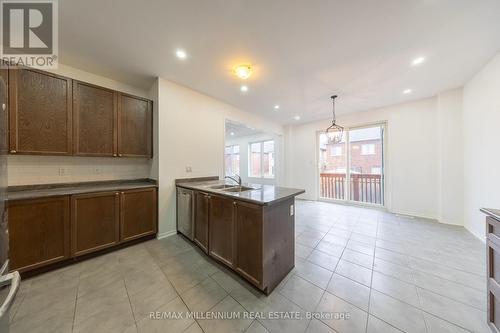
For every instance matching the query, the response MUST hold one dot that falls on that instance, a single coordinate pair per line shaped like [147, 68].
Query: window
[232, 160]
[368, 149]
[336, 151]
[261, 159]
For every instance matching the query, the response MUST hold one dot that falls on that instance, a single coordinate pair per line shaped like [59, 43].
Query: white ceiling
[239, 130]
[302, 51]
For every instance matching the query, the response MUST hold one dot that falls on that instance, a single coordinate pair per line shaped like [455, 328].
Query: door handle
[4, 106]
[13, 279]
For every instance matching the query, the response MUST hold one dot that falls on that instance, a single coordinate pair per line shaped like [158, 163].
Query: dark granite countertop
[262, 194]
[495, 213]
[51, 190]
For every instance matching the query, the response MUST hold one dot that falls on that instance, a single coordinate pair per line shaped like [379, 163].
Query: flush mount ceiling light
[407, 91]
[276, 107]
[296, 117]
[232, 133]
[334, 133]
[243, 71]
[418, 61]
[181, 54]
[244, 88]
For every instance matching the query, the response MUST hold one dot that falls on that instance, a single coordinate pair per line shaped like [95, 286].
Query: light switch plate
[63, 171]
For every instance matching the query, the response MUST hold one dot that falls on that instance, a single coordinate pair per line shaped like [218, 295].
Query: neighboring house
[366, 154]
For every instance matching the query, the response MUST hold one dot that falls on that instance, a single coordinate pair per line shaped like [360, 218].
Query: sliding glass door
[353, 170]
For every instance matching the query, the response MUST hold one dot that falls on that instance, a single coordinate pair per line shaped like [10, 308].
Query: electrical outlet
[63, 171]
[188, 168]
[97, 170]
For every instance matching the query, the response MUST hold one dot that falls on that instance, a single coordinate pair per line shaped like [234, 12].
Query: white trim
[385, 206]
[166, 234]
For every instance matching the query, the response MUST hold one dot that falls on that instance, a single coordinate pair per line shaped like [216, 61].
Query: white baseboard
[166, 234]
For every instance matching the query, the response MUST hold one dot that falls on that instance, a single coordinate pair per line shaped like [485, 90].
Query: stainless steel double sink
[231, 188]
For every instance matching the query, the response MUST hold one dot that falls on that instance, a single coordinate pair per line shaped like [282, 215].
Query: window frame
[232, 154]
[262, 174]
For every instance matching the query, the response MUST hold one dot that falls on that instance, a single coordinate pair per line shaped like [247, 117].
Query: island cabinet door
[201, 208]
[95, 219]
[39, 232]
[40, 112]
[221, 230]
[248, 223]
[137, 213]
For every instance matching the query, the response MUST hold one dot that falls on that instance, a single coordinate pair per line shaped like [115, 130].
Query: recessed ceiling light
[407, 91]
[244, 88]
[276, 107]
[232, 133]
[181, 54]
[296, 117]
[243, 71]
[418, 61]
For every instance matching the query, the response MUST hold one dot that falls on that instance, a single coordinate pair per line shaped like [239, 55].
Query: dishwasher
[185, 212]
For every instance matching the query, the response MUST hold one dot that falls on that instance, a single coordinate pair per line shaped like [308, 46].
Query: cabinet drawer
[493, 230]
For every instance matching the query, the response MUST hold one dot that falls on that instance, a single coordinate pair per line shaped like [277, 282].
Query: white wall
[279, 167]
[413, 157]
[450, 157]
[26, 169]
[481, 102]
[191, 133]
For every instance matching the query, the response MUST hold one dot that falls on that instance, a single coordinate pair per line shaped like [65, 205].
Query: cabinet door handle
[117, 194]
[4, 106]
[119, 155]
[114, 155]
[234, 203]
[13, 151]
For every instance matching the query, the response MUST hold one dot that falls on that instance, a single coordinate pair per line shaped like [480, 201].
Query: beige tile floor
[386, 273]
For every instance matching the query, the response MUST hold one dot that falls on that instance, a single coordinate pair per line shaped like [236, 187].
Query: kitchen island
[248, 228]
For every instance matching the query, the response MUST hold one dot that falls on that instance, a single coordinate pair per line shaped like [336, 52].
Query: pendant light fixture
[335, 132]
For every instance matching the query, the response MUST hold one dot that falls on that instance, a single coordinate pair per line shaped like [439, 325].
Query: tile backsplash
[30, 170]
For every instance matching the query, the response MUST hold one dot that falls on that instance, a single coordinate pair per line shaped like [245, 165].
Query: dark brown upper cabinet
[4, 108]
[40, 112]
[95, 116]
[135, 120]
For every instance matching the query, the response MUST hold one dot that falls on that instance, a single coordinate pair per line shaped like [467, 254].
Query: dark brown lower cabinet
[39, 232]
[256, 241]
[95, 222]
[248, 234]
[137, 213]
[201, 215]
[47, 230]
[221, 229]
[493, 269]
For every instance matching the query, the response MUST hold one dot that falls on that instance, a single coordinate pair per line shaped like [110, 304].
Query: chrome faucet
[234, 179]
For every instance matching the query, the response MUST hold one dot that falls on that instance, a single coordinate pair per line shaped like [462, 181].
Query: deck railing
[363, 187]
